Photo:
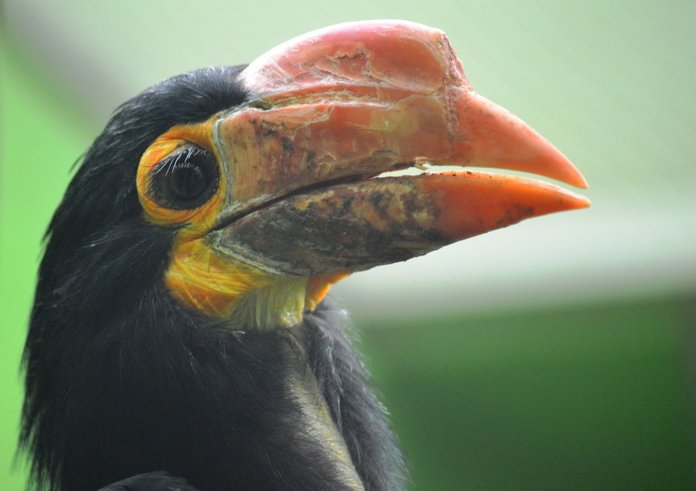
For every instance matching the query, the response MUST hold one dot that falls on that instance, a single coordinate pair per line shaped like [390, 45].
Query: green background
[568, 365]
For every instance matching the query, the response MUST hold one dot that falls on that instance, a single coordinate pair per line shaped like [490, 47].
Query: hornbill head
[212, 216]
[279, 197]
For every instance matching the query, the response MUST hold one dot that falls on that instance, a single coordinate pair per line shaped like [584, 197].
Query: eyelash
[174, 160]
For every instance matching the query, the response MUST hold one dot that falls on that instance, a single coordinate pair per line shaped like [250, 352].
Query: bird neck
[158, 388]
[317, 424]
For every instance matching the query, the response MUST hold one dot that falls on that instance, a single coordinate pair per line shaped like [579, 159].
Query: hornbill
[179, 325]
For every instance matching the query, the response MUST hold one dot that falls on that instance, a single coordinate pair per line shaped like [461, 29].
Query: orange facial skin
[198, 276]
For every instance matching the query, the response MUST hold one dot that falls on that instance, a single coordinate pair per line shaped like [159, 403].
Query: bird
[181, 336]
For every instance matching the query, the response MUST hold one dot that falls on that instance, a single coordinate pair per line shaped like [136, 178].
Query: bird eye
[185, 179]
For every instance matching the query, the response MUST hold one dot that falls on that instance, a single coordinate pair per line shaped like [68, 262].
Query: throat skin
[244, 294]
[280, 304]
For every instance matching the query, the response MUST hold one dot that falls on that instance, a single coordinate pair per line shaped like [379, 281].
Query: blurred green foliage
[594, 396]
[33, 176]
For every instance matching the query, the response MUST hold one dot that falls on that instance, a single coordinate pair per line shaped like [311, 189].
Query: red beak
[336, 108]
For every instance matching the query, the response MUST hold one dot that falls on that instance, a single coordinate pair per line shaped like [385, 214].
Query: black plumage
[152, 481]
[121, 379]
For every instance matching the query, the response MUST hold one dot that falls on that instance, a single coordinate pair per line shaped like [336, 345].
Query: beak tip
[583, 203]
[583, 182]
[574, 201]
[557, 166]
[567, 172]
[575, 178]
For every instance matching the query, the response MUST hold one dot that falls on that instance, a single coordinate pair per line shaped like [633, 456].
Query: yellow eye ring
[178, 178]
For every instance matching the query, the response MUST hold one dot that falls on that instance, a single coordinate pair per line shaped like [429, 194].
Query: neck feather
[159, 387]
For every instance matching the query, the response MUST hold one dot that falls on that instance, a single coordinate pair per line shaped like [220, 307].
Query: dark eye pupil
[187, 182]
[185, 179]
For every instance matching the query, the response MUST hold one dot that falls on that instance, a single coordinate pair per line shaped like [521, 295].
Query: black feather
[152, 481]
[122, 380]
